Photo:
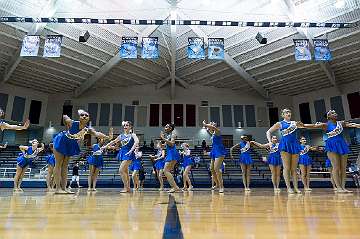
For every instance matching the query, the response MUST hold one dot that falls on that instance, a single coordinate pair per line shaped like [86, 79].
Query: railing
[43, 172]
[10, 172]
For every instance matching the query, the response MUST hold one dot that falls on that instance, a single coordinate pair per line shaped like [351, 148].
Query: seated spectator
[197, 160]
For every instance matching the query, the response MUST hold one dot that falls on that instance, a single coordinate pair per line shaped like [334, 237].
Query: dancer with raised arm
[128, 142]
[305, 163]
[274, 160]
[159, 163]
[187, 163]
[336, 147]
[172, 155]
[25, 160]
[217, 154]
[135, 168]
[66, 145]
[245, 159]
[95, 161]
[289, 148]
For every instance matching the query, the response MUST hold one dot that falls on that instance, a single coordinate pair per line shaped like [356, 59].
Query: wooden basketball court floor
[198, 214]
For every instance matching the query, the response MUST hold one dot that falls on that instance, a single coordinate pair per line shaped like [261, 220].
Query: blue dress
[288, 141]
[328, 163]
[187, 159]
[66, 142]
[25, 159]
[335, 142]
[135, 164]
[304, 157]
[171, 153]
[217, 149]
[160, 163]
[96, 159]
[274, 157]
[127, 142]
[50, 160]
[245, 157]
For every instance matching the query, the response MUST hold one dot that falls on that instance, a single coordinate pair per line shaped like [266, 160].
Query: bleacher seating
[200, 175]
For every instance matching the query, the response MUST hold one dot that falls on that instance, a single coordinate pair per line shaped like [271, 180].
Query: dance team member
[50, 160]
[135, 168]
[274, 160]
[172, 155]
[186, 164]
[336, 147]
[28, 153]
[4, 125]
[66, 145]
[96, 162]
[217, 154]
[159, 163]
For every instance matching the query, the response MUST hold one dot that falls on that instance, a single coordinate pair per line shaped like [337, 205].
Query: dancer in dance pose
[95, 161]
[305, 163]
[24, 160]
[172, 155]
[128, 142]
[187, 164]
[135, 168]
[66, 145]
[336, 147]
[245, 159]
[217, 154]
[50, 160]
[274, 160]
[289, 147]
[4, 125]
[159, 160]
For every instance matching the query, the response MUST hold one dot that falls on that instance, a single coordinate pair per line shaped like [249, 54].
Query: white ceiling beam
[108, 66]
[48, 10]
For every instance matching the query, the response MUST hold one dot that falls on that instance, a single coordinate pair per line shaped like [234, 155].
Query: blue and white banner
[128, 48]
[52, 47]
[321, 50]
[196, 49]
[150, 48]
[302, 50]
[216, 48]
[30, 46]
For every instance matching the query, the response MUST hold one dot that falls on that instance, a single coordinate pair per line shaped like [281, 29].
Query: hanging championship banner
[150, 48]
[52, 47]
[321, 50]
[216, 48]
[302, 50]
[196, 48]
[30, 46]
[128, 48]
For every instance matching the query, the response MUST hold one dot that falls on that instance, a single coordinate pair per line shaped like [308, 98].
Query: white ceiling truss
[248, 66]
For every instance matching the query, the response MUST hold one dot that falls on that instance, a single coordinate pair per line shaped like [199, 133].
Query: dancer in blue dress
[289, 147]
[217, 154]
[4, 125]
[66, 144]
[128, 142]
[187, 164]
[305, 163]
[245, 159]
[336, 147]
[50, 160]
[135, 168]
[172, 155]
[28, 153]
[159, 163]
[96, 162]
[274, 160]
